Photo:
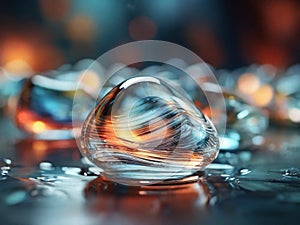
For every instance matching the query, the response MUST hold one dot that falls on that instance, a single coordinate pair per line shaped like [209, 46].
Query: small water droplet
[5, 170]
[262, 180]
[47, 178]
[86, 172]
[292, 172]
[219, 169]
[7, 161]
[244, 171]
[5, 167]
[71, 170]
[233, 181]
[46, 166]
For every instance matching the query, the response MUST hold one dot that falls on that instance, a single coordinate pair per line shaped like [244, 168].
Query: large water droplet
[145, 131]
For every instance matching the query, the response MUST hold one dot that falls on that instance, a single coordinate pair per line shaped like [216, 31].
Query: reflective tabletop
[48, 182]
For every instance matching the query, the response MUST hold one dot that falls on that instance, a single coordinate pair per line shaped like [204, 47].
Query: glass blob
[44, 108]
[253, 83]
[144, 131]
[244, 123]
[286, 107]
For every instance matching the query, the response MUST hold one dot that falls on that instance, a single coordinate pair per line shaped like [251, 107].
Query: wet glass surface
[47, 182]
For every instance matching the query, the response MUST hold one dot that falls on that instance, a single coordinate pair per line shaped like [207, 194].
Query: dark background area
[38, 35]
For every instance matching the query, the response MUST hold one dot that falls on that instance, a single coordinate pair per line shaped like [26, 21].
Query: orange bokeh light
[15, 49]
[17, 57]
[81, 28]
[39, 146]
[248, 83]
[38, 127]
[18, 67]
[263, 95]
[28, 122]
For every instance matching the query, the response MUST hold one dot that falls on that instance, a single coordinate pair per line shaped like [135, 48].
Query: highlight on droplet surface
[145, 131]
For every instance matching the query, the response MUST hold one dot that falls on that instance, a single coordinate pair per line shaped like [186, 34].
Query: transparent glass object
[286, 107]
[44, 108]
[253, 83]
[244, 123]
[144, 131]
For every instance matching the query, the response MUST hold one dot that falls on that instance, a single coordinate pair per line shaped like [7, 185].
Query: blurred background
[39, 35]
[253, 47]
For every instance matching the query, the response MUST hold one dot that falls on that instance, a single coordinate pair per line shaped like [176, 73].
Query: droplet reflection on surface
[161, 206]
[145, 131]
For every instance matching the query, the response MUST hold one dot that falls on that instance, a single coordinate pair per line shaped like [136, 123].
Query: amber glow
[263, 95]
[36, 124]
[90, 81]
[248, 83]
[18, 67]
[29, 123]
[15, 49]
[39, 146]
[281, 106]
[17, 57]
[81, 28]
[38, 127]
